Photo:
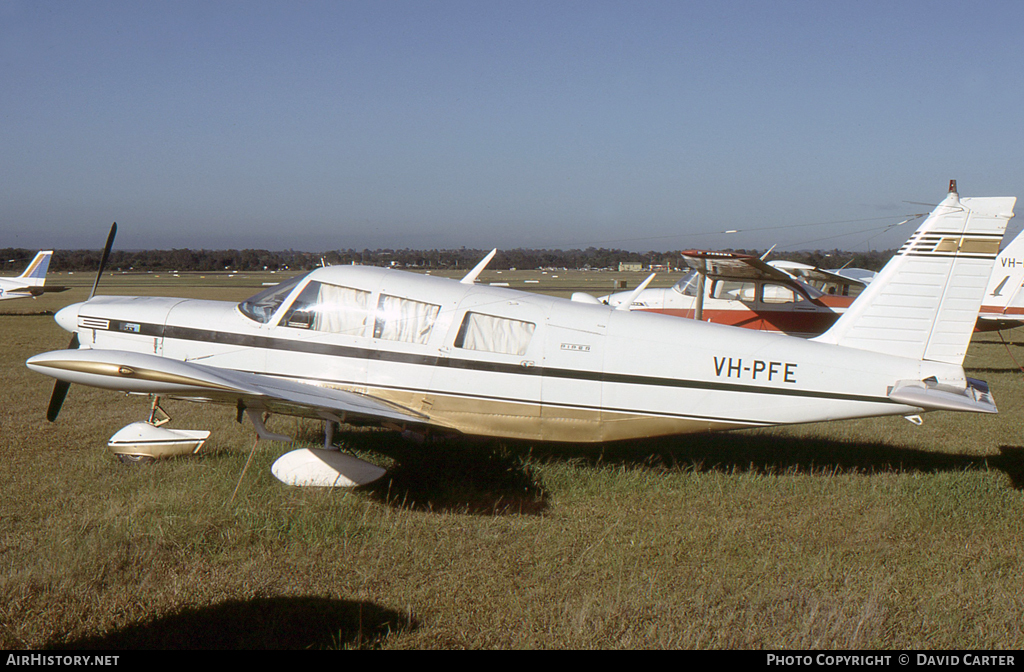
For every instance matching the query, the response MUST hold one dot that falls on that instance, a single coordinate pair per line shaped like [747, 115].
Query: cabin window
[262, 306]
[404, 320]
[332, 308]
[771, 293]
[494, 334]
[732, 290]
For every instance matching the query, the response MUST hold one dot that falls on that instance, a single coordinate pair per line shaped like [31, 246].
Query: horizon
[522, 124]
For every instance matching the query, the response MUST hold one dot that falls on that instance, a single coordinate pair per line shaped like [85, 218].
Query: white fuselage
[13, 290]
[548, 368]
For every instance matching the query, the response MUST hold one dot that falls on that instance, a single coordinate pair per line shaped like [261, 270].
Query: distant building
[630, 266]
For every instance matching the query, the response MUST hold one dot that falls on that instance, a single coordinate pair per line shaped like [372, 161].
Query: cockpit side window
[331, 308]
[261, 307]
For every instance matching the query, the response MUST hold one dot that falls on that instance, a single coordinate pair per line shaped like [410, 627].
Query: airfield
[872, 534]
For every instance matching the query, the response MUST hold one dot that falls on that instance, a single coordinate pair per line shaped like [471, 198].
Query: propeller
[60, 387]
[103, 258]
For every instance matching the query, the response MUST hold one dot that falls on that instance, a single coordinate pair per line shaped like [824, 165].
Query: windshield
[262, 306]
[687, 284]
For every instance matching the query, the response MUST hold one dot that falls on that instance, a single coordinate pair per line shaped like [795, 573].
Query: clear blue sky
[643, 125]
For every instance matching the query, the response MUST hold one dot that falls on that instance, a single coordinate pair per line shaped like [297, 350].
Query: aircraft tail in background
[35, 274]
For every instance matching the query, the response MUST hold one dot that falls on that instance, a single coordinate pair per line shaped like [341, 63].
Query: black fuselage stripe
[269, 343]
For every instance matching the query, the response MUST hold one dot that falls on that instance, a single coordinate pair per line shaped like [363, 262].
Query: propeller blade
[60, 390]
[60, 387]
[103, 259]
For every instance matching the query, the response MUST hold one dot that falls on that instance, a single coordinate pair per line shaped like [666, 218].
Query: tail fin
[924, 303]
[35, 274]
[1004, 286]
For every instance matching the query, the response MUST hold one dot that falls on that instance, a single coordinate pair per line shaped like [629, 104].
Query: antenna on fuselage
[628, 303]
[471, 276]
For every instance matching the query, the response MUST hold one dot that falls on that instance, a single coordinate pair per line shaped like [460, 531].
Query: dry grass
[866, 534]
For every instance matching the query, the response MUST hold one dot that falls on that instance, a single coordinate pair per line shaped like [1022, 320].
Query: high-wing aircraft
[30, 283]
[743, 290]
[367, 345]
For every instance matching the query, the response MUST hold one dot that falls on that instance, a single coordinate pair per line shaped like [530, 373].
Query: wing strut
[702, 278]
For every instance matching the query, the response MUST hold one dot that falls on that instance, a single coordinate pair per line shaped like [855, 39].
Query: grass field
[860, 534]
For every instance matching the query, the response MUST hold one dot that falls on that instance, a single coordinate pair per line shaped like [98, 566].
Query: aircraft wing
[809, 273]
[150, 374]
[733, 266]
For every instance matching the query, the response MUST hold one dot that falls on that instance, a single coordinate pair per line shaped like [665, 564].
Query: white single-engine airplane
[743, 290]
[32, 282]
[362, 345]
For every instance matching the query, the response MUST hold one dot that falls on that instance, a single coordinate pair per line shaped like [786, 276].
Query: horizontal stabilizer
[976, 398]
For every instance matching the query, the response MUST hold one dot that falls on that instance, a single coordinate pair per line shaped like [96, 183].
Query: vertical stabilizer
[924, 303]
[35, 274]
[1007, 279]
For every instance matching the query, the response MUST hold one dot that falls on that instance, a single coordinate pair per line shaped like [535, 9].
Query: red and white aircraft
[743, 290]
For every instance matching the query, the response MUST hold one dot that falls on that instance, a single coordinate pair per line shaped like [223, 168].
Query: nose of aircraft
[67, 317]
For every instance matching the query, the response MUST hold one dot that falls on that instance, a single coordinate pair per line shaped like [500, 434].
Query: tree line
[15, 259]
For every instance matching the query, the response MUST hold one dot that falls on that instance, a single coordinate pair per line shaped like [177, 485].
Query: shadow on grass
[499, 477]
[269, 623]
[464, 475]
[739, 453]
[1011, 461]
[492, 477]
[993, 369]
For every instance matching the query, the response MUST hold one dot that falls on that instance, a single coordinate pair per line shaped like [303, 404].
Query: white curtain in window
[496, 334]
[340, 310]
[405, 320]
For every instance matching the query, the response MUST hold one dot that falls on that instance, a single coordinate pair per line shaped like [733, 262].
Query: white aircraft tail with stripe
[35, 274]
[925, 302]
